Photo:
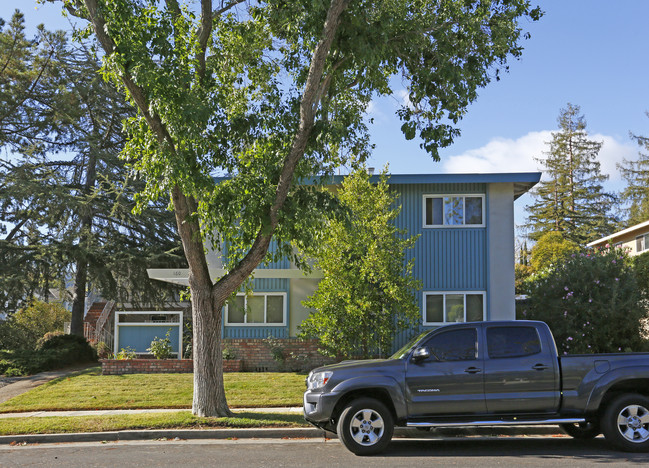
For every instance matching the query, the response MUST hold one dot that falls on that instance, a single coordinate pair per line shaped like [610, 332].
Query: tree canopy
[270, 94]
[572, 199]
[636, 174]
[367, 294]
[66, 199]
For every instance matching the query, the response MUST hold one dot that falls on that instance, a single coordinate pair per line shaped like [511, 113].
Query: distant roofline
[629, 230]
[523, 181]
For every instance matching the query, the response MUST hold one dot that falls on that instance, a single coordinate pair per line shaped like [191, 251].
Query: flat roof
[523, 181]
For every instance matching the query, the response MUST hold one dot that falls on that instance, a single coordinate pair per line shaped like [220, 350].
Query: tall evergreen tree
[636, 174]
[571, 200]
[66, 200]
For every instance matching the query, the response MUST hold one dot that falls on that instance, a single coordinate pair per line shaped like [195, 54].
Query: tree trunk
[79, 298]
[209, 394]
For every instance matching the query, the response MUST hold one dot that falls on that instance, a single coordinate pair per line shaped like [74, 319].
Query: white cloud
[502, 155]
[614, 152]
[509, 155]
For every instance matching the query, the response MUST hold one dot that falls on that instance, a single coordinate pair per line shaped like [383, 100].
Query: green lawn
[177, 420]
[88, 390]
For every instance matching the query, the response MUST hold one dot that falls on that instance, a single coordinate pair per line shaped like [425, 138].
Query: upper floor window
[450, 307]
[453, 210]
[642, 243]
[259, 309]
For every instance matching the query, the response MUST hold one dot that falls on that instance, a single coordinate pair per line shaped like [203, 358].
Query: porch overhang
[181, 275]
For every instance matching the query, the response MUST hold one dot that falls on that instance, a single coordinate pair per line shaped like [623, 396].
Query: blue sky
[592, 53]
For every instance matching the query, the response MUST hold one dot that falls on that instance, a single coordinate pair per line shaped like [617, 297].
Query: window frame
[265, 323]
[641, 239]
[444, 294]
[482, 196]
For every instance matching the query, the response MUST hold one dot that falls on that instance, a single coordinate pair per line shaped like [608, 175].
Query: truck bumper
[318, 409]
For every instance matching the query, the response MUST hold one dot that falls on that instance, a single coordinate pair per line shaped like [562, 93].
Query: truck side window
[509, 342]
[454, 345]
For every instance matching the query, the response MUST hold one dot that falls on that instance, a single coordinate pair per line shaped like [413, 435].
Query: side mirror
[420, 354]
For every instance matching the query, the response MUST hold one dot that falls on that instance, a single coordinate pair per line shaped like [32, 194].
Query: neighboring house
[635, 239]
[464, 258]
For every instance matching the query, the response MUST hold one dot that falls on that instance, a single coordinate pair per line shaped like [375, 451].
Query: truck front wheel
[626, 423]
[365, 426]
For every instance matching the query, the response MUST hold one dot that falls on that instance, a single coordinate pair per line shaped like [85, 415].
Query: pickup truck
[483, 374]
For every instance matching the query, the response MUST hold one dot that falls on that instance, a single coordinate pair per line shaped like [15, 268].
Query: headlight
[318, 380]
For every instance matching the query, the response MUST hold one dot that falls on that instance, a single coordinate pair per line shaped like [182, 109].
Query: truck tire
[625, 423]
[584, 431]
[365, 426]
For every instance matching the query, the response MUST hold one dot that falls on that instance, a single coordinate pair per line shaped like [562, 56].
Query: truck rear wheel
[365, 426]
[584, 431]
[626, 423]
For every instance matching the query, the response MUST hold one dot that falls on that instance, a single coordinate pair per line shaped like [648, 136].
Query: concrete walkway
[25, 384]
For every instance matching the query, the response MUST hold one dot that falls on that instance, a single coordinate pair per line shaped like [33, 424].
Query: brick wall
[146, 366]
[290, 354]
[251, 355]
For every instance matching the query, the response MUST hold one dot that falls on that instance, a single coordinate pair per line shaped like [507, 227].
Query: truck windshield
[403, 352]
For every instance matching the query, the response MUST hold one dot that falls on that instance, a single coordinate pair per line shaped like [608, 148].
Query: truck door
[521, 371]
[450, 380]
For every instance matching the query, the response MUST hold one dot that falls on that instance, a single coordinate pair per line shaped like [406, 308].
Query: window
[454, 345]
[258, 309]
[453, 210]
[453, 307]
[642, 243]
[509, 342]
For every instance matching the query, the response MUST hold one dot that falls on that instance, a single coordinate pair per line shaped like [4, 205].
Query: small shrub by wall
[263, 355]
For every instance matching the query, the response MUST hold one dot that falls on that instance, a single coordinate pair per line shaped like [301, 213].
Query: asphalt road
[465, 452]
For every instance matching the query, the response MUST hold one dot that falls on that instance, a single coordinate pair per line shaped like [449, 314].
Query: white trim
[444, 294]
[426, 196]
[264, 323]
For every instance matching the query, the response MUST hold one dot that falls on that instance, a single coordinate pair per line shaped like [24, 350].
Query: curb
[270, 433]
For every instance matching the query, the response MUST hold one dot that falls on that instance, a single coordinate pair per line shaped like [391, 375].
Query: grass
[175, 420]
[89, 390]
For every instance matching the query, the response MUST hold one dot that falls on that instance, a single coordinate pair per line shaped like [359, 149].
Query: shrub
[38, 319]
[551, 249]
[591, 301]
[161, 347]
[125, 353]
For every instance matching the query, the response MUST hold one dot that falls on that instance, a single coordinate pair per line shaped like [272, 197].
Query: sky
[591, 53]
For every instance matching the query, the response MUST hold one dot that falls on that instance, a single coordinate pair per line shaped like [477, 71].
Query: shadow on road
[597, 450]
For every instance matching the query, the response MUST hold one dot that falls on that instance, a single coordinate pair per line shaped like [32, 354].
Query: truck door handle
[472, 370]
[540, 367]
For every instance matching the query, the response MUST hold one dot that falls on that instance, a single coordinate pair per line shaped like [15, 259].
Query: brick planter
[159, 366]
[232, 365]
[146, 366]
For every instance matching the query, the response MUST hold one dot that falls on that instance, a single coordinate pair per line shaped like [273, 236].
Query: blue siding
[446, 259]
[139, 337]
[255, 332]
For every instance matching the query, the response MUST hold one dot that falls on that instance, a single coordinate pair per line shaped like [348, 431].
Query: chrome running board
[512, 422]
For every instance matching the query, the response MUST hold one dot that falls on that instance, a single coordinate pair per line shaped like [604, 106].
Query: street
[483, 452]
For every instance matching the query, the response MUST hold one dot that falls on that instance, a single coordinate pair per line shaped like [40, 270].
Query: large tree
[636, 174]
[271, 93]
[571, 199]
[66, 200]
[367, 294]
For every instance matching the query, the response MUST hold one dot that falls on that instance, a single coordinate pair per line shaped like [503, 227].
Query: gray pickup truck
[483, 374]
